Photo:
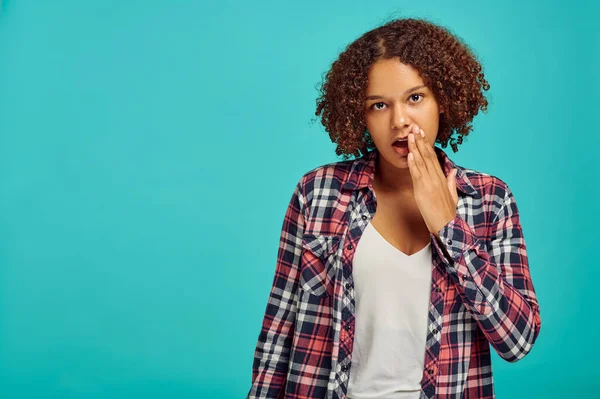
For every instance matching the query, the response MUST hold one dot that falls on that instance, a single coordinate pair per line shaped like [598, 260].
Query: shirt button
[347, 326]
[349, 246]
[430, 371]
[364, 217]
[466, 277]
[449, 242]
[434, 332]
[438, 289]
[345, 367]
[348, 286]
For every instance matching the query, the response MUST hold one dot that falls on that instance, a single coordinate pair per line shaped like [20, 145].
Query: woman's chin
[398, 161]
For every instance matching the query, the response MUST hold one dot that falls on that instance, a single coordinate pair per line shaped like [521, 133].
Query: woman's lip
[403, 151]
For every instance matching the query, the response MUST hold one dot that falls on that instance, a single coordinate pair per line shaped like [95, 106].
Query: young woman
[398, 270]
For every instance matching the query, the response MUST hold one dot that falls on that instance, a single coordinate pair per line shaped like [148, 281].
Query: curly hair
[446, 65]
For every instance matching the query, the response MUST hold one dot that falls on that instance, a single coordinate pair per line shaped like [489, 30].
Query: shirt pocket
[317, 272]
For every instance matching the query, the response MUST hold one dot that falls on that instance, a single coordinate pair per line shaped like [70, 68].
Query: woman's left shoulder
[487, 185]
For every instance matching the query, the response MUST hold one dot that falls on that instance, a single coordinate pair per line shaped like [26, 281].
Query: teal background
[148, 151]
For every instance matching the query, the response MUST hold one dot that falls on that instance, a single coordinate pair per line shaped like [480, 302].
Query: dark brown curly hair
[446, 65]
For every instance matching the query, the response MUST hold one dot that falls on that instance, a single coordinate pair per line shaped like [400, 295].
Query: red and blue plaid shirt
[481, 295]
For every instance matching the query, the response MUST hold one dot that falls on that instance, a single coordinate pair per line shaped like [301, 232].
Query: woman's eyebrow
[377, 97]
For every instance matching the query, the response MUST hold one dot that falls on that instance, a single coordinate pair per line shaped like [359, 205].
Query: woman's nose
[399, 119]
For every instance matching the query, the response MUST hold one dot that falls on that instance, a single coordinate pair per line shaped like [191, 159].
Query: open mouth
[401, 144]
[401, 147]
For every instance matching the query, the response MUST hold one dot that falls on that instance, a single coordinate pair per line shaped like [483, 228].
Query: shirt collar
[363, 170]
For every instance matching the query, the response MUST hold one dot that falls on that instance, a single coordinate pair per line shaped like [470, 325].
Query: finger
[429, 156]
[420, 153]
[422, 147]
[414, 153]
[415, 173]
[417, 157]
[452, 185]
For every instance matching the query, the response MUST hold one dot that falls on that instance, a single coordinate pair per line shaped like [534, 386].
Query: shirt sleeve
[271, 357]
[493, 279]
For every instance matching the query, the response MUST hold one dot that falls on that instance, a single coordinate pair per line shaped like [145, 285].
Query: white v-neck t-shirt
[392, 305]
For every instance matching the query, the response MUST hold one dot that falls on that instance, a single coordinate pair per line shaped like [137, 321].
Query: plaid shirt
[481, 295]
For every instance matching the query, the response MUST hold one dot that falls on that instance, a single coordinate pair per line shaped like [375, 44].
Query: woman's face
[396, 100]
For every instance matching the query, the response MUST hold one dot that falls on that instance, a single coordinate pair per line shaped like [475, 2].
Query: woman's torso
[399, 221]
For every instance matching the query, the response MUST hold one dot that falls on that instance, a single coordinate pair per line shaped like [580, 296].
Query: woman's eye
[376, 104]
[416, 97]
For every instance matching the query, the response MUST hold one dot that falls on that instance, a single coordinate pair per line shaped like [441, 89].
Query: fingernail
[411, 137]
[422, 133]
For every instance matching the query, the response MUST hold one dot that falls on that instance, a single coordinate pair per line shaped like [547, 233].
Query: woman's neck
[392, 180]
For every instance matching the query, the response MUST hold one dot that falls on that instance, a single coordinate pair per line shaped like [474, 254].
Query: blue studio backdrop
[148, 151]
